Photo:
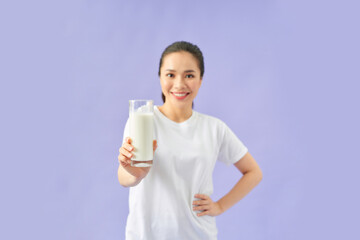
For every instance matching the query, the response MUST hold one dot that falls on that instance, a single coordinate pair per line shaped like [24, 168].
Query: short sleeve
[231, 148]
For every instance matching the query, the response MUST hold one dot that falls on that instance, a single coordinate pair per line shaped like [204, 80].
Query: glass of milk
[141, 121]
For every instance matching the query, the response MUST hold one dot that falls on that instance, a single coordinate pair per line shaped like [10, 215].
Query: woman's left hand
[206, 205]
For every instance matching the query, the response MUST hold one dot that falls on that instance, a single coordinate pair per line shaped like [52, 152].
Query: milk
[141, 133]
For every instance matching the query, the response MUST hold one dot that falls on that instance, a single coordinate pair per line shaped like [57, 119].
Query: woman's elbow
[124, 184]
[259, 175]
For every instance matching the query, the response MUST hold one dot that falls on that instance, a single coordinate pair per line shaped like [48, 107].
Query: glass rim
[141, 100]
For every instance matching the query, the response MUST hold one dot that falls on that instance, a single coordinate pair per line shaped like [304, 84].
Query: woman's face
[180, 79]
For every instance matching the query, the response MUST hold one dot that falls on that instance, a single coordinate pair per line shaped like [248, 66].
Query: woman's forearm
[247, 182]
[126, 179]
[132, 177]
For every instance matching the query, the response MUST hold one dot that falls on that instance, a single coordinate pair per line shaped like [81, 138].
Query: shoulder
[207, 119]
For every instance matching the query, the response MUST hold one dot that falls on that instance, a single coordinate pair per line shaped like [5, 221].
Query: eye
[170, 75]
[189, 76]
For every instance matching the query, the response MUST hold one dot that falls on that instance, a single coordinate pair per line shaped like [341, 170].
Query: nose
[179, 82]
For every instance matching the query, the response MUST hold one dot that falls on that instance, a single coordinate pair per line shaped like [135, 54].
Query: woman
[171, 199]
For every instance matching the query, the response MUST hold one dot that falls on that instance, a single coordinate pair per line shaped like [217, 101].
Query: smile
[180, 95]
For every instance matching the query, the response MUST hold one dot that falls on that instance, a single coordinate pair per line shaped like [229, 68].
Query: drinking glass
[141, 120]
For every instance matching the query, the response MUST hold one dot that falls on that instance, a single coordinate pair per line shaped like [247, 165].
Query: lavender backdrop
[282, 74]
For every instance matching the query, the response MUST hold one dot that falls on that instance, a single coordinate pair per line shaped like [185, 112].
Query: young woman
[171, 199]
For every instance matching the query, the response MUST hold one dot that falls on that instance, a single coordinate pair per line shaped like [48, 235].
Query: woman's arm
[252, 175]
[128, 179]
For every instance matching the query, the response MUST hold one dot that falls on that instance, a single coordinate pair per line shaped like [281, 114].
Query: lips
[180, 95]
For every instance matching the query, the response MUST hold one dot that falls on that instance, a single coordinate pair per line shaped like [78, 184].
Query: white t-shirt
[160, 206]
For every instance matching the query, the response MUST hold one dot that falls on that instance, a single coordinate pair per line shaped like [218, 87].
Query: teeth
[180, 95]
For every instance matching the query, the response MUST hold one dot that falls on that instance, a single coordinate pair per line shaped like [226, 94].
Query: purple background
[284, 75]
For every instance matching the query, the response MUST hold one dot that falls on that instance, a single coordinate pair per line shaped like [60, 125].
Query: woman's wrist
[221, 207]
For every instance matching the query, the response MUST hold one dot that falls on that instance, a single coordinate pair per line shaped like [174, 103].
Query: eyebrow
[171, 70]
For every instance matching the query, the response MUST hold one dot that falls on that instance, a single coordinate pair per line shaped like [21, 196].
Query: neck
[176, 114]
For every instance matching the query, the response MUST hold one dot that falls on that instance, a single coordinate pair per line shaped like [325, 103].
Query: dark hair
[186, 47]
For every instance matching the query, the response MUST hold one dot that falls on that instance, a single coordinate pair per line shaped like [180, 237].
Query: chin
[181, 104]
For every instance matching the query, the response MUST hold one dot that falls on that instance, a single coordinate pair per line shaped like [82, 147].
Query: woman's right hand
[124, 157]
[125, 153]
